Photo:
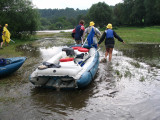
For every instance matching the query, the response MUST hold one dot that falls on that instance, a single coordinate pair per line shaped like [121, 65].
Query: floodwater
[128, 88]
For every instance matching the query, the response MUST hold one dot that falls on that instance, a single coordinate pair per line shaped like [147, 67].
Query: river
[128, 88]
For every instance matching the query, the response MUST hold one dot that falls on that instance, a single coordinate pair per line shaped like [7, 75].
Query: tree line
[23, 18]
[53, 19]
[20, 15]
[128, 13]
[137, 12]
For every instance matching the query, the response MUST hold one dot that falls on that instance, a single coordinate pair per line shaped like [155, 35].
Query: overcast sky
[81, 4]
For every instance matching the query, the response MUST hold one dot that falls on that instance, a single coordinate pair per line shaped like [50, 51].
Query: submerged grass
[135, 64]
[142, 79]
[7, 99]
[127, 74]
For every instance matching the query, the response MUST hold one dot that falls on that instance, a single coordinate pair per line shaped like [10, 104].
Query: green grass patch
[45, 35]
[127, 74]
[10, 50]
[117, 72]
[7, 99]
[142, 79]
[135, 64]
[139, 34]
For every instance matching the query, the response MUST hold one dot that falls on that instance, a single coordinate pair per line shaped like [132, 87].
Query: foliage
[20, 16]
[137, 13]
[53, 19]
[127, 13]
[56, 13]
[100, 13]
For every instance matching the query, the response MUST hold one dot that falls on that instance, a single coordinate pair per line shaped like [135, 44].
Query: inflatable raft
[10, 65]
[73, 67]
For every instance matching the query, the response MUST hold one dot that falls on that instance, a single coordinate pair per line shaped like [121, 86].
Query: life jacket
[109, 33]
[90, 37]
[78, 33]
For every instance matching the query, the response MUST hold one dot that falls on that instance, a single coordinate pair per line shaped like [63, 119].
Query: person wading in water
[95, 34]
[109, 35]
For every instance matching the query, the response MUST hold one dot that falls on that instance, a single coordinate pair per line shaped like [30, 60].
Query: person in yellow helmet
[6, 35]
[95, 31]
[109, 35]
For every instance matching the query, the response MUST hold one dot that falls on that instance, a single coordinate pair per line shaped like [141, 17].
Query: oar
[84, 42]
[12, 40]
[89, 57]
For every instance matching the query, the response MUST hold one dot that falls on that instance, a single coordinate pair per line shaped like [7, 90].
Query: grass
[135, 64]
[7, 99]
[140, 35]
[10, 50]
[127, 74]
[142, 79]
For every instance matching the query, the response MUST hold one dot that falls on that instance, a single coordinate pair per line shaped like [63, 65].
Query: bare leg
[1, 44]
[110, 54]
[106, 54]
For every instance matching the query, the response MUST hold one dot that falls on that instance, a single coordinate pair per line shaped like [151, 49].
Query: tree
[100, 13]
[138, 12]
[157, 9]
[150, 12]
[118, 14]
[128, 8]
[20, 16]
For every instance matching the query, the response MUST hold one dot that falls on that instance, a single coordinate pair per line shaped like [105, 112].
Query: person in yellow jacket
[6, 34]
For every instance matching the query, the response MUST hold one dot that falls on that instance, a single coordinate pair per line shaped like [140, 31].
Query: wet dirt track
[128, 88]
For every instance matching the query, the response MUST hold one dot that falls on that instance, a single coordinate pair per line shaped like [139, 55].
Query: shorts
[110, 46]
[1, 40]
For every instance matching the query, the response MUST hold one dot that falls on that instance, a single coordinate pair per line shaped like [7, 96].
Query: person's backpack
[73, 34]
[3, 61]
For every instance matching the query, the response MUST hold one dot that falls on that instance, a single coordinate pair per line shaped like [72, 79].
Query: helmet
[91, 23]
[109, 26]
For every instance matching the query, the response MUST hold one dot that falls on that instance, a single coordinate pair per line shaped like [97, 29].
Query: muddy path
[128, 88]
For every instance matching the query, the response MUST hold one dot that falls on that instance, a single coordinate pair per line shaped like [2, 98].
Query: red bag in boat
[66, 59]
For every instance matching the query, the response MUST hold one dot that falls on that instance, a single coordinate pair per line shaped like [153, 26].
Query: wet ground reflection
[148, 53]
[128, 88]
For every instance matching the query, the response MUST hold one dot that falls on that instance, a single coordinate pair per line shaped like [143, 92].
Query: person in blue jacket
[109, 35]
[1, 40]
[78, 31]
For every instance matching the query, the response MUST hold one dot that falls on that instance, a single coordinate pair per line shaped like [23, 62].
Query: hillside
[56, 13]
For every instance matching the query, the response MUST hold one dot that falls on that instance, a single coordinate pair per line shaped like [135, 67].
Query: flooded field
[128, 88]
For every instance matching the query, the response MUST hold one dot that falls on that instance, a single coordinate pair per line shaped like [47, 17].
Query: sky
[62, 4]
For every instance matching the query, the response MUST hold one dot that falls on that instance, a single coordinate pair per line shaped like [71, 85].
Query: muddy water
[128, 88]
